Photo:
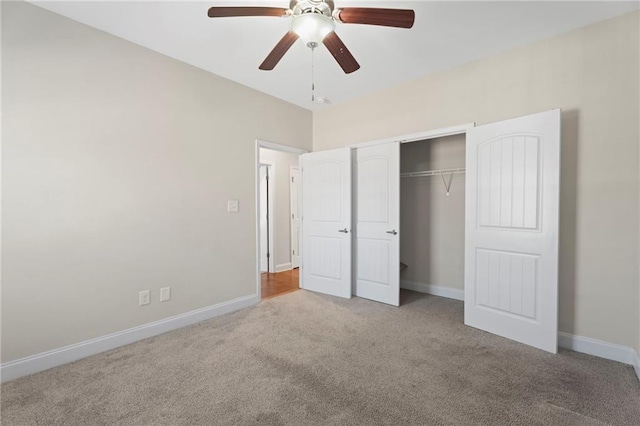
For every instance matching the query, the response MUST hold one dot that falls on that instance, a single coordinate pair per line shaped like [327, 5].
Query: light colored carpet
[305, 358]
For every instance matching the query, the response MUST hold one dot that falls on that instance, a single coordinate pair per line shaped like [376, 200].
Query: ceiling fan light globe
[312, 27]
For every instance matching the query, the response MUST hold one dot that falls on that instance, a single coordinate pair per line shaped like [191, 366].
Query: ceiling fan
[313, 21]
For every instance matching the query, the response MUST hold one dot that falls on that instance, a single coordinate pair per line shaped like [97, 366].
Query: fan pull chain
[313, 84]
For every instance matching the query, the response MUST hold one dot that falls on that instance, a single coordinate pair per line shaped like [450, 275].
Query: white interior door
[377, 212]
[511, 236]
[295, 217]
[326, 222]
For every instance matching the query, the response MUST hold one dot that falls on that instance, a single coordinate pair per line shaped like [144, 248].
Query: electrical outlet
[144, 298]
[165, 294]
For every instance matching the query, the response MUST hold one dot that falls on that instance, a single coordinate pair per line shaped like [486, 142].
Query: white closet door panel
[518, 189]
[326, 222]
[373, 260]
[373, 200]
[377, 210]
[511, 234]
[506, 184]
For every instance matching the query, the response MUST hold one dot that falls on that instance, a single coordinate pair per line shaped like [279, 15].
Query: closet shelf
[432, 173]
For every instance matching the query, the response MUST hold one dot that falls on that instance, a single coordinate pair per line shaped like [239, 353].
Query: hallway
[279, 283]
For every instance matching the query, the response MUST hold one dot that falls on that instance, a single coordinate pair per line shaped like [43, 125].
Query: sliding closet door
[377, 212]
[326, 222]
[511, 235]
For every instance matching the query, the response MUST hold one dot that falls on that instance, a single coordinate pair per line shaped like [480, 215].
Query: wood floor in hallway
[279, 283]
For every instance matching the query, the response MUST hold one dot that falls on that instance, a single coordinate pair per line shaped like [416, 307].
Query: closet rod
[433, 172]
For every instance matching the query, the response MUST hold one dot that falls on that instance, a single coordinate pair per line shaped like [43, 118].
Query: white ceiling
[445, 34]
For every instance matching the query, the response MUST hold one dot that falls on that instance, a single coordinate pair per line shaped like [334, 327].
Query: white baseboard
[581, 344]
[601, 349]
[436, 290]
[284, 267]
[43, 361]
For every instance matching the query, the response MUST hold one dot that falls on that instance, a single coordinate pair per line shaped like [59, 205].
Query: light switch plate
[232, 206]
[165, 294]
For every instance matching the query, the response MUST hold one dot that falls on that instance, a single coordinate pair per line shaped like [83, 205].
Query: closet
[473, 212]
[432, 215]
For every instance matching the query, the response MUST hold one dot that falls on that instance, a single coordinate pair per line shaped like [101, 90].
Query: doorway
[432, 200]
[277, 236]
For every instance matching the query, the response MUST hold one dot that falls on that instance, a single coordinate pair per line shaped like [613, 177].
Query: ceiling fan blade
[225, 12]
[341, 53]
[278, 52]
[399, 18]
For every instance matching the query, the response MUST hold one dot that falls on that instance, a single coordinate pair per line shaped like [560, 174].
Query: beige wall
[282, 204]
[592, 74]
[117, 166]
[432, 222]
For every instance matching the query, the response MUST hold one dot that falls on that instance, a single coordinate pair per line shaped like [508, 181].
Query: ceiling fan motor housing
[323, 7]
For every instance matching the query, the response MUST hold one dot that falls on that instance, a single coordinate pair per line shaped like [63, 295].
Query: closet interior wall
[432, 222]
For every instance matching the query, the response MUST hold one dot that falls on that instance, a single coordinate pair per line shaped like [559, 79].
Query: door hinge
[292, 179]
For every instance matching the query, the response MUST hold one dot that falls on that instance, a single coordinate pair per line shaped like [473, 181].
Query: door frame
[261, 143]
[297, 186]
[271, 195]
[414, 137]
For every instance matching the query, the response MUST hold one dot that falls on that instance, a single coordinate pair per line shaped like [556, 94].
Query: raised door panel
[373, 190]
[508, 182]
